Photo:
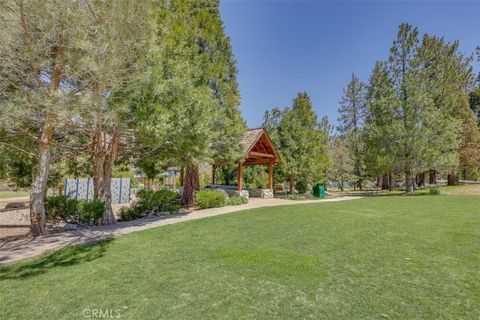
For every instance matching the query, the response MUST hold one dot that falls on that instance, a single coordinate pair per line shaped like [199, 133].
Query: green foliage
[351, 119]
[73, 210]
[90, 211]
[416, 106]
[128, 213]
[192, 94]
[342, 169]
[300, 140]
[301, 187]
[209, 198]
[236, 201]
[148, 202]
[434, 190]
[62, 208]
[255, 177]
[306, 196]
[474, 101]
[227, 174]
[123, 170]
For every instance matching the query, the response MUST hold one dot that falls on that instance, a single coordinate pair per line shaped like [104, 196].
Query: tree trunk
[39, 185]
[409, 182]
[452, 179]
[182, 174]
[390, 181]
[420, 179]
[292, 184]
[104, 154]
[341, 185]
[385, 181]
[432, 177]
[191, 184]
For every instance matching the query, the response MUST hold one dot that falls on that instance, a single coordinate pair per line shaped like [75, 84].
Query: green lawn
[396, 257]
[13, 194]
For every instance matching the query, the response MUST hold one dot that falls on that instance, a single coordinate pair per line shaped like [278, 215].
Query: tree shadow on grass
[64, 258]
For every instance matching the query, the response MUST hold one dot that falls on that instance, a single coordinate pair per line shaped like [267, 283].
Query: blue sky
[283, 47]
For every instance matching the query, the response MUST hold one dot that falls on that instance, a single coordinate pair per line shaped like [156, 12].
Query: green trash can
[319, 190]
[322, 190]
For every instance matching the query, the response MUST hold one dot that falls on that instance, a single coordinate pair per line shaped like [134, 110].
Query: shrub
[236, 201]
[301, 187]
[60, 208]
[209, 198]
[74, 211]
[91, 211]
[434, 191]
[150, 202]
[128, 213]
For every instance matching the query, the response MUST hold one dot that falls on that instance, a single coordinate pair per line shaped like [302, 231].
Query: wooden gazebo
[257, 149]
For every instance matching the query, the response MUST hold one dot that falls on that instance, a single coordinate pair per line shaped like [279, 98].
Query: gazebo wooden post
[240, 176]
[214, 168]
[270, 176]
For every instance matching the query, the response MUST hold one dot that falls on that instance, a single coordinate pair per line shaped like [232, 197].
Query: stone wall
[261, 193]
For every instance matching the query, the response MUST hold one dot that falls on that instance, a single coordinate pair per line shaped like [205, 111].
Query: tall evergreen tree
[192, 89]
[381, 126]
[352, 112]
[299, 140]
[448, 75]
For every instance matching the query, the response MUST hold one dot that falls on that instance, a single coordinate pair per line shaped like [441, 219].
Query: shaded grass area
[395, 257]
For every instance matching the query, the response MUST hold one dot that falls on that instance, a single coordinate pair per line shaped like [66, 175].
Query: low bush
[434, 191]
[128, 213]
[209, 198]
[91, 211]
[150, 202]
[236, 201]
[60, 208]
[301, 187]
[306, 196]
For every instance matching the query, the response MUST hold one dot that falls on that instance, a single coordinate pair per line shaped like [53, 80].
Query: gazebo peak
[257, 147]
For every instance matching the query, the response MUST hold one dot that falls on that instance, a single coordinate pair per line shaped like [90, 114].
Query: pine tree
[189, 108]
[299, 139]
[381, 126]
[448, 75]
[38, 40]
[352, 112]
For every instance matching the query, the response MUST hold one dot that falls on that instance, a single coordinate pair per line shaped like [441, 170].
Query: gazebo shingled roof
[257, 149]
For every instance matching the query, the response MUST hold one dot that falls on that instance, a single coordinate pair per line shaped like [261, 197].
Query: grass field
[373, 258]
[13, 194]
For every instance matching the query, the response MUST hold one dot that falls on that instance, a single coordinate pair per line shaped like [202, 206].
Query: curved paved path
[29, 247]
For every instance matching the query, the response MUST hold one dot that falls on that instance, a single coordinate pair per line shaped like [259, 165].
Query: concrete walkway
[29, 247]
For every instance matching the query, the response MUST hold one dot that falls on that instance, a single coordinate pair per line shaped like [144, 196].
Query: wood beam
[257, 162]
[260, 154]
[240, 177]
